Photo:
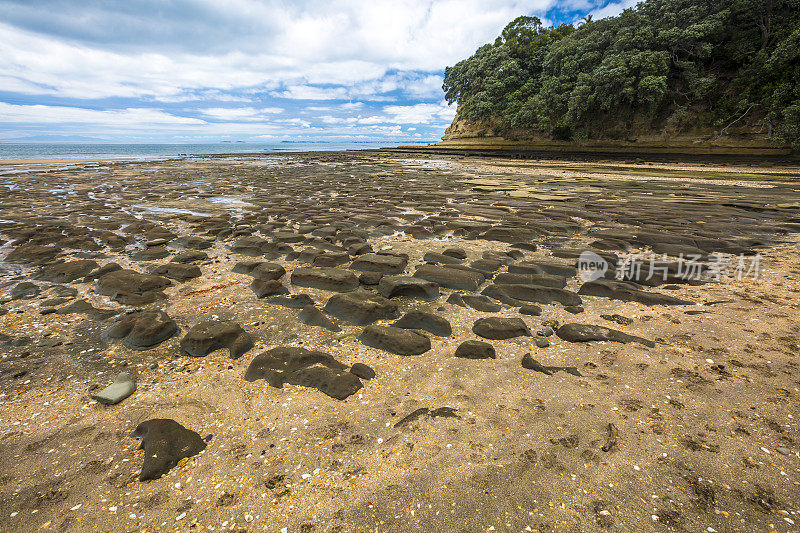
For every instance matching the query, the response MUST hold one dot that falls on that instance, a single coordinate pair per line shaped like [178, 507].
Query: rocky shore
[377, 341]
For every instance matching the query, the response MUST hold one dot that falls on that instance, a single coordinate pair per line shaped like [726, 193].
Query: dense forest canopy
[674, 66]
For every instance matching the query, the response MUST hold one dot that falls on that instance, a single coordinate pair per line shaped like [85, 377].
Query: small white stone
[180, 516]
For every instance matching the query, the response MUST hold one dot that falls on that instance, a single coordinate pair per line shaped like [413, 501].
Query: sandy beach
[368, 341]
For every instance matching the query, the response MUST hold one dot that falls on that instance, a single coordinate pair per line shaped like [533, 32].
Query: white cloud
[240, 113]
[75, 115]
[420, 113]
[614, 9]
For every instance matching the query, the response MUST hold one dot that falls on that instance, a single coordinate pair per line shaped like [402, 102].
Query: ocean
[36, 151]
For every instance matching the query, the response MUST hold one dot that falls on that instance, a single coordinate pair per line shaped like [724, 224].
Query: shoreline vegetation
[666, 75]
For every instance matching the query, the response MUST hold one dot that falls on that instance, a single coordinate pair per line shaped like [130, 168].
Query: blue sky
[243, 70]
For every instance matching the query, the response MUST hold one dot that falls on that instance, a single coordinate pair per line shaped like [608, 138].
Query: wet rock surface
[142, 329]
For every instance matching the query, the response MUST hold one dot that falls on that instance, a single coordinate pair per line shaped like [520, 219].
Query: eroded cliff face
[491, 135]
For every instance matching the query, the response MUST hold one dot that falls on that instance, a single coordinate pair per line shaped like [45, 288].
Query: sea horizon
[40, 150]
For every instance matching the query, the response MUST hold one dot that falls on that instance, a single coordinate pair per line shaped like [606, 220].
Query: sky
[244, 70]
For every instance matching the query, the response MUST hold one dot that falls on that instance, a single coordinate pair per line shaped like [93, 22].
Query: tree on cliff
[678, 66]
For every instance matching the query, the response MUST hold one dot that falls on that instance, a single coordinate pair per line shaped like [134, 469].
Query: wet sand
[691, 426]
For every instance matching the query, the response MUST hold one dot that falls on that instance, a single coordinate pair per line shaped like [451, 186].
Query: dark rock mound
[142, 329]
[362, 371]
[24, 290]
[429, 322]
[312, 316]
[481, 303]
[150, 254]
[500, 328]
[451, 278]
[434, 257]
[307, 368]
[329, 279]
[476, 350]
[370, 278]
[213, 335]
[178, 271]
[458, 253]
[395, 340]
[192, 242]
[532, 310]
[628, 292]
[129, 287]
[165, 442]
[392, 286]
[532, 364]
[361, 308]
[384, 263]
[264, 288]
[100, 272]
[252, 246]
[587, 332]
[66, 271]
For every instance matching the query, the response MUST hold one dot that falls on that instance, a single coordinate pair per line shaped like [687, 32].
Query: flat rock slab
[33, 254]
[24, 290]
[141, 330]
[361, 308]
[307, 368]
[451, 278]
[165, 442]
[433, 324]
[384, 263]
[473, 349]
[129, 287]
[177, 271]
[150, 254]
[328, 279]
[270, 287]
[212, 335]
[66, 271]
[409, 286]
[85, 308]
[434, 257]
[395, 340]
[500, 328]
[539, 294]
[122, 387]
[509, 234]
[628, 292]
[252, 246]
[587, 332]
[542, 280]
[192, 243]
